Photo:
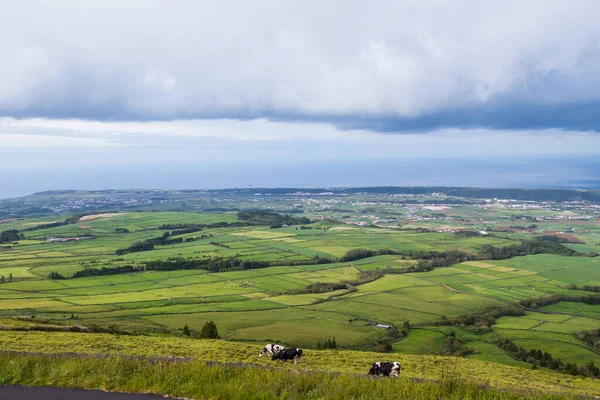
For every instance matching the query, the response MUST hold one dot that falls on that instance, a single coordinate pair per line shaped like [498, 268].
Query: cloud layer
[390, 66]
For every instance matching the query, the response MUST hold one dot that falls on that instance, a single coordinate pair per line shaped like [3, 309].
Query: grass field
[196, 380]
[429, 368]
[269, 304]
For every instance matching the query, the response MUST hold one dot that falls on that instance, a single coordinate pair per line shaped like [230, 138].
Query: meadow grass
[85, 372]
[197, 380]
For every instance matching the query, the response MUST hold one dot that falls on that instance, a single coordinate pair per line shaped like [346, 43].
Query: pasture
[354, 365]
[277, 303]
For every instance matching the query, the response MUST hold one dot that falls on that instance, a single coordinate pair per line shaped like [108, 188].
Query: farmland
[294, 288]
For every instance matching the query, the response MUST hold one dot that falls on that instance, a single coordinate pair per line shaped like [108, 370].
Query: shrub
[209, 331]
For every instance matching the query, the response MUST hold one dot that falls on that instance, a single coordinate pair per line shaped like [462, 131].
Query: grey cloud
[392, 66]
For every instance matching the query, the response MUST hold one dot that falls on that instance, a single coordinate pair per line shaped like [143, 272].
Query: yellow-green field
[429, 368]
[280, 303]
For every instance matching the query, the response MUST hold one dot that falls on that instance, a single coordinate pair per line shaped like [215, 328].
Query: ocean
[570, 173]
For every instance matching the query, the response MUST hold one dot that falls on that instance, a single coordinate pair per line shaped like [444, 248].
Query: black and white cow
[385, 369]
[288, 354]
[271, 349]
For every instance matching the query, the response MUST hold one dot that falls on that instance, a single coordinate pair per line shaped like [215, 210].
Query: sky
[115, 94]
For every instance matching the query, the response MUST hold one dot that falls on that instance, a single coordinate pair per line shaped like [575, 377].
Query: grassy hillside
[469, 376]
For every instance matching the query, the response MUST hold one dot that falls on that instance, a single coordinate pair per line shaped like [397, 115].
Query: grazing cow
[385, 369]
[271, 349]
[288, 354]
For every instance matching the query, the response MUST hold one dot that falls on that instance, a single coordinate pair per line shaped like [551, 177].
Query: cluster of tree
[357, 254]
[145, 245]
[214, 264]
[481, 321]
[55, 276]
[532, 226]
[384, 344]
[9, 236]
[123, 269]
[122, 230]
[587, 288]
[3, 278]
[148, 244]
[270, 218]
[325, 287]
[367, 276]
[360, 253]
[592, 299]
[444, 259]
[190, 229]
[69, 221]
[551, 238]
[453, 346]
[180, 229]
[219, 244]
[542, 359]
[328, 343]
[525, 248]
[321, 287]
[590, 337]
[317, 259]
[186, 240]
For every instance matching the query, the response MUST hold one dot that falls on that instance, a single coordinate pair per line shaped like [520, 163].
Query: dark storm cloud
[390, 67]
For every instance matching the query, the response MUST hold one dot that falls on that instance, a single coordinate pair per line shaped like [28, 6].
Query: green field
[278, 304]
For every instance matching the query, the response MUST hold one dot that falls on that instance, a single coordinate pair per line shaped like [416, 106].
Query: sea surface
[570, 173]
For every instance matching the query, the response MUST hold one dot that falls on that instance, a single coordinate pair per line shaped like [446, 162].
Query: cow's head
[396, 369]
[263, 351]
[374, 370]
[277, 348]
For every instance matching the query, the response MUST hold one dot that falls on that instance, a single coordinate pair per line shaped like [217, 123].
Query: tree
[209, 331]
[3, 279]
[53, 275]
[10, 236]
[186, 331]
[10, 277]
